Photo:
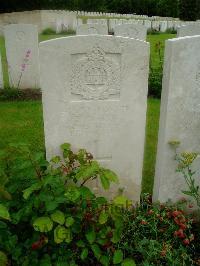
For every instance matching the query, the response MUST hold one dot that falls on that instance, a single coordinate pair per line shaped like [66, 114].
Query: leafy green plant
[171, 31]
[54, 219]
[68, 32]
[185, 161]
[48, 31]
[185, 167]
[158, 234]
[156, 73]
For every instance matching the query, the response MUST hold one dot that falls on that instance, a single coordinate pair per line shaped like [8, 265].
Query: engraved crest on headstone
[96, 75]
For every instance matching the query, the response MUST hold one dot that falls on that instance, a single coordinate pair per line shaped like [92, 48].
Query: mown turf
[21, 122]
[152, 124]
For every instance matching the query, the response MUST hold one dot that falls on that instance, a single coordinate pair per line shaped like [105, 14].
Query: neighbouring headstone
[91, 29]
[21, 41]
[135, 31]
[180, 114]
[94, 97]
[163, 26]
[189, 30]
[1, 75]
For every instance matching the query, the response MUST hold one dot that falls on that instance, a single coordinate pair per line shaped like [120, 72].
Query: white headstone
[180, 114]
[147, 24]
[94, 97]
[59, 25]
[91, 29]
[131, 30]
[97, 21]
[163, 26]
[1, 75]
[155, 25]
[21, 41]
[189, 30]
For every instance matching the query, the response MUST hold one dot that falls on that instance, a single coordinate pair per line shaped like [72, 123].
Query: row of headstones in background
[125, 30]
[21, 41]
[93, 14]
[154, 25]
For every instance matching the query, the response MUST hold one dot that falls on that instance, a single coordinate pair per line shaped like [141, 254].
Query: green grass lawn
[23, 122]
[154, 40]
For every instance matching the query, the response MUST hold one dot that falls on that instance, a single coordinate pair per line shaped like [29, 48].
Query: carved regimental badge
[96, 76]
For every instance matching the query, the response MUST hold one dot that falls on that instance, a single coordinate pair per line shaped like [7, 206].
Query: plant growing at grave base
[185, 162]
[48, 31]
[158, 234]
[49, 217]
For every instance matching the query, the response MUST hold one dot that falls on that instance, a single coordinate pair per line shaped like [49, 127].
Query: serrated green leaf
[187, 193]
[4, 214]
[104, 260]
[69, 221]
[3, 259]
[56, 159]
[84, 253]
[104, 181]
[72, 194]
[103, 217]
[28, 191]
[43, 224]
[80, 244]
[110, 175]
[116, 236]
[65, 146]
[118, 256]
[91, 236]
[86, 193]
[87, 171]
[62, 234]
[58, 217]
[96, 250]
[122, 201]
[128, 262]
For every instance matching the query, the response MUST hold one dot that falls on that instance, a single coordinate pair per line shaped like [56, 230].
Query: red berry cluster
[180, 220]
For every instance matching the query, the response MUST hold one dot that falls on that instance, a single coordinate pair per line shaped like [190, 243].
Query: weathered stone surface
[135, 31]
[1, 75]
[21, 42]
[180, 114]
[189, 30]
[91, 29]
[94, 97]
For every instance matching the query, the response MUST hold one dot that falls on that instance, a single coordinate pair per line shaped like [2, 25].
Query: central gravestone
[95, 97]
